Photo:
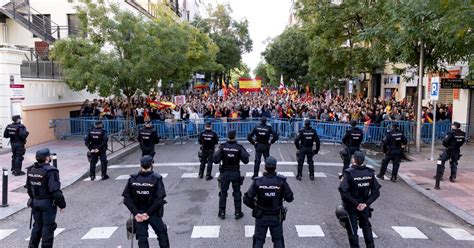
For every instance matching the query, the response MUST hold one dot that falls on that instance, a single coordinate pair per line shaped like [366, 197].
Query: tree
[261, 71]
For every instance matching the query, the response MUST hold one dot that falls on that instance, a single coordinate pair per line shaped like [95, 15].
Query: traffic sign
[434, 94]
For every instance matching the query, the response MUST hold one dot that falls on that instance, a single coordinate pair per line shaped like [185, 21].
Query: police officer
[44, 190]
[144, 195]
[17, 134]
[265, 197]
[208, 140]
[96, 142]
[453, 142]
[359, 189]
[262, 143]
[148, 138]
[352, 140]
[230, 154]
[392, 147]
[304, 142]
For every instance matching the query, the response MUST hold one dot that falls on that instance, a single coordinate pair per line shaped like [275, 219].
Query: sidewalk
[456, 197]
[72, 165]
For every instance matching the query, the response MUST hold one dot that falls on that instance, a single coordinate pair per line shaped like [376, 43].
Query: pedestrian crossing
[302, 231]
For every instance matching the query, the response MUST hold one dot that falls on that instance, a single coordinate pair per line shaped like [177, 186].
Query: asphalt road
[193, 203]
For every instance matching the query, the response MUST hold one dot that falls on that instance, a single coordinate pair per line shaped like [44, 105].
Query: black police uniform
[262, 143]
[453, 142]
[145, 193]
[208, 141]
[352, 140]
[304, 142]
[43, 187]
[269, 191]
[148, 138]
[392, 147]
[359, 186]
[17, 134]
[230, 154]
[97, 139]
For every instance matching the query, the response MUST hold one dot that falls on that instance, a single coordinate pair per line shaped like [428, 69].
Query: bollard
[5, 188]
[55, 160]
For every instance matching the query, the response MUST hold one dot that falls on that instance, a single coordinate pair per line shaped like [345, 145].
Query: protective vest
[360, 180]
[146, 136]
[96, 137]
[38, 180]
[262, 133]
[353, 137]
[308, 137]
[454, 140]
[231, 156]
[270, 193]
[208, 140]
[13, 132]
[143, 188]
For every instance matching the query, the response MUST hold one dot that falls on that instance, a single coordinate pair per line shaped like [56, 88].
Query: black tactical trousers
[44, 214]
[395, 158]
[359, 218]
[103, 163]
[206, 158]
[453, 156]
[159, 228]
[264, 223]
[308, 153]
[225, 179]
[347, 160]
[18, 150]
[260, 149]
[148, 150]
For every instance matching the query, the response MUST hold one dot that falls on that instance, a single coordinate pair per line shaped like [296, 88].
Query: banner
[180, 100]
[250, 84]
[200, 85]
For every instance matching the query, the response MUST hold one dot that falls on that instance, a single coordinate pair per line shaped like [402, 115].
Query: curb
[114, 157]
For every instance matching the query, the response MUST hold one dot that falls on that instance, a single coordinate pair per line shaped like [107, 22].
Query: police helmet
[263, 120]
[343, 153]
[15, 118]
[341, 212]
[456, 124]
[353, 123]
[307, 123]
[208, 124]
[231, 135]
[270, 163]
[358, 157]
[42, 154]
[146, 161]
[98, 123]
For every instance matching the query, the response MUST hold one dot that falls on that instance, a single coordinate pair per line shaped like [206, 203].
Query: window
[72, 24]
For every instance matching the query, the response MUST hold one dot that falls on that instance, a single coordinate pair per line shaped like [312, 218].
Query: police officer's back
[392, 147]
[265, 197]
[44, 190]
[305, 140]
[17, 134]
[352, 140]
[230, 154]
[453, 142]
[144, 195]
[359, 189]
[148, 138]
[208, 140]
[96, 141]
[262, 133]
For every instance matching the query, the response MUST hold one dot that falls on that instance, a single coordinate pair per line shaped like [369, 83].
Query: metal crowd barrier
[64, 128]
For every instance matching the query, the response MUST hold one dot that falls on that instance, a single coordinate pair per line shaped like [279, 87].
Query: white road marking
[190, 175]
[386, 178]
[100, 232]
[409, 232]
[281, 155]
[184, 164]
[56, 232]
[250, 174]
[324, 152]
[6, 232]
[180, 143]
[151, 233]
[361, 235]
[319, 174]
[286, 173]
[217, 174]
[122, 177]
[250, 230]
[205, 232]
[307, 231]
[458, 234]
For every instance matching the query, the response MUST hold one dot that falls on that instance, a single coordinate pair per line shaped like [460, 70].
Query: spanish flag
[160, 105]
[232, 89]
[224, 87]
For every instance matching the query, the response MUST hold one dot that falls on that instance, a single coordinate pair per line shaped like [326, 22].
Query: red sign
[456, 94]
[17, 92]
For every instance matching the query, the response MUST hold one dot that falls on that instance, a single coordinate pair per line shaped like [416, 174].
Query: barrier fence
[286, 128]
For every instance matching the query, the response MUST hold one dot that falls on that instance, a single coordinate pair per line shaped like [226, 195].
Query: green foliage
[261, 71]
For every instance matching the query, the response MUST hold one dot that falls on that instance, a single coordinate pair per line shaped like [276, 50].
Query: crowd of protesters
[322, 107]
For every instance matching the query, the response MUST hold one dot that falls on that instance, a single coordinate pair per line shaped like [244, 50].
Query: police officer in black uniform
[208, 140]
[359, 189]
[144, 195]
[304, 142]
[230, 154]
[96, 142]
[44, 190]
[17, 134]
[453, 142]
[392, 147]
[262, 143]
[265, 197]
[148, 138]
[352, 140]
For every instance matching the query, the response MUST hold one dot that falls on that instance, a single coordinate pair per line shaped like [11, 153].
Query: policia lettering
[208, 141]
[304, 142]
[148, 138]
[17, 134]
[359, 189]
[351, 140]
[96, 141]
[453, 142]
[144, 195]
[229, 155]
[262, 142]
[44, 190]
[265, 197]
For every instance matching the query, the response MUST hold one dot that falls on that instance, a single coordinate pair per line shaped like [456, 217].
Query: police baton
[133, 235]
[31, 218]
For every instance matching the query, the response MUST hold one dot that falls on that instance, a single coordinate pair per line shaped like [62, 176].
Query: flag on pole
[282, 84]
[232, 89]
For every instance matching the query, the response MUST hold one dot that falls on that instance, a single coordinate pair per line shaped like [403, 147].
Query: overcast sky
[267, 19]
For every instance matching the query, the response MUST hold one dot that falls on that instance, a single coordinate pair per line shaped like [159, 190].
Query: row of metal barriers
[286, 128]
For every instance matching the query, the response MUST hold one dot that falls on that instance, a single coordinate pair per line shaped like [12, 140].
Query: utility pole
[418, 107]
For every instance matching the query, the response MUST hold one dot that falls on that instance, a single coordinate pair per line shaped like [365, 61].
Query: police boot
[437, 183]
[298, 177]
[221, 214]
[394, 178]
[200, 175]
[208, 177]
[452, 178]
[105, 177]
[311, 176]
[380, 176]
[238, 215]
